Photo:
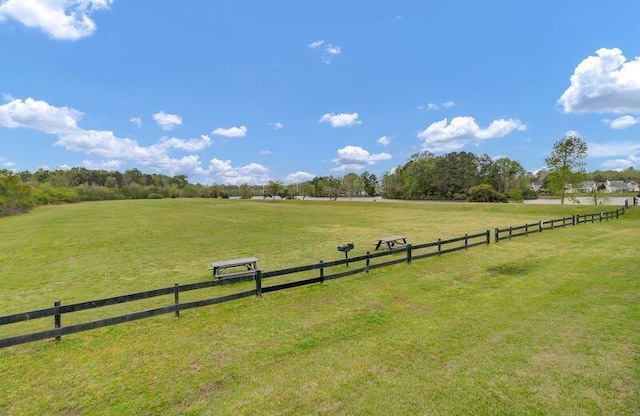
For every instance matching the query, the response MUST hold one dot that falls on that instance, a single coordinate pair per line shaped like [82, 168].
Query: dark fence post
[259, 283]
[488, 236]
[526, 230]
[321, 272]
[497, 235]
[573, 220]
[409, 253]
[510, 231]
[366, 264]
[439, 246]
[466, 241]
[176, 299]
[57, 318]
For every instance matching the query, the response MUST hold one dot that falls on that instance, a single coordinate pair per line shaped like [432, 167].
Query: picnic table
[391, 242]
[248, 265]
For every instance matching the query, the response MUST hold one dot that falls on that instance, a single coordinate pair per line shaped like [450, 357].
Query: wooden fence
[323, 270]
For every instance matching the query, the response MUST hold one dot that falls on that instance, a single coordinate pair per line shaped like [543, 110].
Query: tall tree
[566, 163]
[352, 184]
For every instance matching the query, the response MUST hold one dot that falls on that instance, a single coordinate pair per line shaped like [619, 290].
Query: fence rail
[404, 254]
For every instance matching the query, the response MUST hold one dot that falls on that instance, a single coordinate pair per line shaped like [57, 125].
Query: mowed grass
[545, 324]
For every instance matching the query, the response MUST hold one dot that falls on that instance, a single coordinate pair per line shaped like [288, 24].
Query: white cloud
[572, 133]
[316, 44]
[109, 165]
[612, 149]
[231, 132]
[621, 164]
[327, 50]
[605, 83]
[444, 136]
[39, 115]
[621, 123]
[60, 19]
[7, 97]
[253, 173]
[434, 106]
[384, 140]
[277, 125]
[136, 120]
[340, 120]
[167, 121]
[299, 177]
[356, 158]
[63, 123]
[191, 145]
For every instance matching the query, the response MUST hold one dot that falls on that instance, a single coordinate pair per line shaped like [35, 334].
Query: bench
[248, 265]
[392, 242]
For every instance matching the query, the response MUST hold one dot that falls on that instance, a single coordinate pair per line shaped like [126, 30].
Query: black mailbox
[346, 248]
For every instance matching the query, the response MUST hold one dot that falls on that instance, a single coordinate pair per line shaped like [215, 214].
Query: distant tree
[245, 191]
[273, 188]
[370, 182]
[15, 196]
[565, 163]
[352, 184]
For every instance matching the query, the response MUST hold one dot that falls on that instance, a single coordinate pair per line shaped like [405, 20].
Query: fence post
[540, 225]
[488, 236]
[573, 220]
[601, 217]
[466, 241]
[409, 253]
[510, 231]
[57, 318]
[321, 272]
[259, 283]
[366, 263]
[439, 246]
[497, 235]
[176, 299]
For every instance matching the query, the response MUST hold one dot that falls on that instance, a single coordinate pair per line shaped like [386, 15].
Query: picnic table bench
[391, 242]
[249, 265]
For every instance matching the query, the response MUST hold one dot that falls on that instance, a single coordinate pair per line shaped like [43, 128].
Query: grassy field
[547, 324]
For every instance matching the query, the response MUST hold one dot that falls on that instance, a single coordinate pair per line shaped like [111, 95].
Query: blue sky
[251, 91]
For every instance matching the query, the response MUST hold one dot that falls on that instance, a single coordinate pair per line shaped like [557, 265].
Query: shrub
[154, 196]
[485, 193]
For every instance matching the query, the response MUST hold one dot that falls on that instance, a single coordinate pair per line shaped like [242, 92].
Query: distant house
[634, 186]
[620, 186]
[588, 187]
[536, 186]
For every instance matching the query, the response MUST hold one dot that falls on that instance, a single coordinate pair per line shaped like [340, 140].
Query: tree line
[452, 176]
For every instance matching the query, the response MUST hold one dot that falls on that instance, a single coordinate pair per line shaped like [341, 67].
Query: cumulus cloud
[621, 164]
[231, 132]
[59, 19]
[191, 145]
[621, 123]
[39, 115]
[103, 164]
[340, 120]
[356, 158]
[443, 136]
[299, 177]
[277, 125]
[226, 173]
[167, 121]
[327, 50]
[384, 140]
[604, 83]
[63, 123]
[136, 120]
[612, 149]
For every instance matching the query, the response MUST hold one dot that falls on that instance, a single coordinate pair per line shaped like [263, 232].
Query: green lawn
[545, 324]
